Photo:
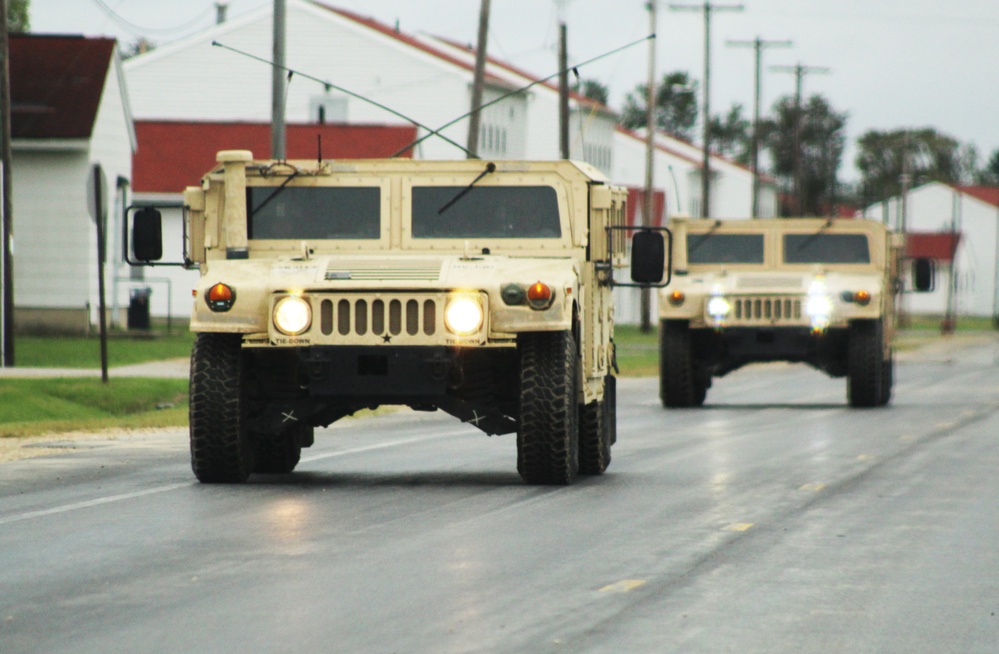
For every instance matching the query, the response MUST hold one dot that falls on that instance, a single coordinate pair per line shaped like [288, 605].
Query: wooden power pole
[708, 9]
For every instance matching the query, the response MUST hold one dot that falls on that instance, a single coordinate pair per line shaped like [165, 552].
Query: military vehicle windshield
[826, 248]
[724, 248]
[486, 212]
[328, 212]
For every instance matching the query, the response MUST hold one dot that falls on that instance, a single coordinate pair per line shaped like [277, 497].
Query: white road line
[90, 503]
[171, 487]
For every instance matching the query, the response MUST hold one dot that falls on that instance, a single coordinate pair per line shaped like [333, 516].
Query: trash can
[138, 308]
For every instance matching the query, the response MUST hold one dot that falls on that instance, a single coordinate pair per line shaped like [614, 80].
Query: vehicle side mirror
[923, 274]
[648, 257]
[147, 235]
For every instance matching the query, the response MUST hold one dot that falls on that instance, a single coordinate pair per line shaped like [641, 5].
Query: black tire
[866, 364]
[679, 385]
[548, 429]
[278, 454]
[221, 448]
[598, 430]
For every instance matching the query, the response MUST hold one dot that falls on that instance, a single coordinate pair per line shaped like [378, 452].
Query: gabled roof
[580, 99]
[932, 245]
[175, 154]
[989, 194]
[411, 41]
[56, 83]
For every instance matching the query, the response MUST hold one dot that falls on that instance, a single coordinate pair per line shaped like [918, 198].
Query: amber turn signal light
[220, 297]
[539, 295]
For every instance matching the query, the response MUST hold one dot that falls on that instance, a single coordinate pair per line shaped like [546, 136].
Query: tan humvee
[811, 290]
[483, 290]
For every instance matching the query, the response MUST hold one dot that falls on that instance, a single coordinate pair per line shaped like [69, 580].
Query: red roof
[989, 194]
[56, 84]
[932, 245]
[172, 155]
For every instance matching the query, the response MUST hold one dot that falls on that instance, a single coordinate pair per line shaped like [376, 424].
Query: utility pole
[7, 287]
[278, 83]
[645, 296]
[758, 45]
[563, 91]
[799, 72]
[474, 119]
[707, 8]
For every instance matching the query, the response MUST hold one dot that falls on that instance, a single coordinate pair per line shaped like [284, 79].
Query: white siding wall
[197, 81]
[55, 259]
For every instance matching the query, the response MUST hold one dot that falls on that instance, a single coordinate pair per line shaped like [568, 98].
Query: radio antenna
[573, 69]
[330, 85]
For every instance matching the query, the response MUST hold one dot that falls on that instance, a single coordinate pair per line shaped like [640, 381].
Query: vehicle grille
[749, 310]
[381, 315]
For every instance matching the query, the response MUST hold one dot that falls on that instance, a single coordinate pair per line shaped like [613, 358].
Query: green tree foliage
[594, 90]
[990, 173]
[17, 16]
[731, 134]
[932, 156]
[676, 106]
[821, 150]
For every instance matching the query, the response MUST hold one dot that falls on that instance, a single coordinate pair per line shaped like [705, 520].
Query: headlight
[718, 307]
[292, 315]
[463, 316]
[818, 306]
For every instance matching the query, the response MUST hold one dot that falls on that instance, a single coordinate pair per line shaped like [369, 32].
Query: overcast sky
[891, 63]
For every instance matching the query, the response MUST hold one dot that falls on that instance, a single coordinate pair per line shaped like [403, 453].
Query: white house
[962, 217]
[69, 111]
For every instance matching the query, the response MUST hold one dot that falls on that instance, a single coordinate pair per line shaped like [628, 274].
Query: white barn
[69, 111]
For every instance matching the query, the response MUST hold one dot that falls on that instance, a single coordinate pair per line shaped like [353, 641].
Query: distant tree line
[882, 156]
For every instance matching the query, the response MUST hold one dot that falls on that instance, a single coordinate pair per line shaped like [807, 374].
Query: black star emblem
[386, 338]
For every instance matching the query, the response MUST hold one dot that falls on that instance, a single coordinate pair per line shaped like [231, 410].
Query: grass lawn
[38, 406]
[85, 351]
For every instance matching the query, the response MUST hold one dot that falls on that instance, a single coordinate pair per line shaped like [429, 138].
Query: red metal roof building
[175, 154]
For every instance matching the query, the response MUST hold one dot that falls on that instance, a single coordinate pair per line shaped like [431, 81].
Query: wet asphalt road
[775, 519]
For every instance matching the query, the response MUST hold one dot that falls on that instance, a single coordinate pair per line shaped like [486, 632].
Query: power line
[707, 8]
[138, 30]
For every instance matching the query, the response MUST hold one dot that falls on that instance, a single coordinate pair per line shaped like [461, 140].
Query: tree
[731, 135]
[820, 150]
[930, 155]
[990, 173]
[676, 106]
[17, 16]
[594, 90]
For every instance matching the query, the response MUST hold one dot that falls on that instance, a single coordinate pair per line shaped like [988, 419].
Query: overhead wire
[139, 30]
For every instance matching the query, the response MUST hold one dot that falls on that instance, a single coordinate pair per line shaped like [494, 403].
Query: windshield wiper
[705, 236]
[490, 168]
[812, 237]
[273, 195]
